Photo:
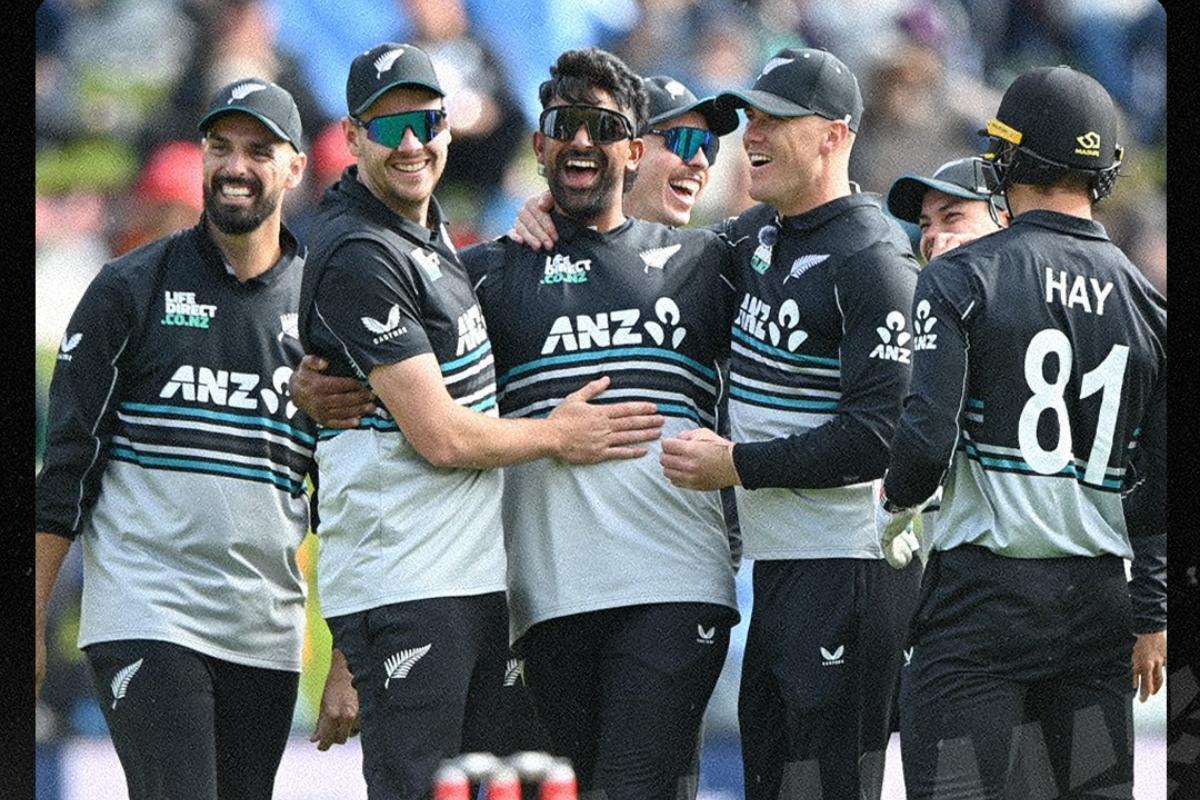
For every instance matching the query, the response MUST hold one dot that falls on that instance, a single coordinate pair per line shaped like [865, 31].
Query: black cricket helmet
[1053, 121]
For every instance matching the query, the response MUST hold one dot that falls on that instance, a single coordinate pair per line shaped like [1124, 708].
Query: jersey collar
[288, 244]
[430, 235]
[1064, 223]
[823, 213]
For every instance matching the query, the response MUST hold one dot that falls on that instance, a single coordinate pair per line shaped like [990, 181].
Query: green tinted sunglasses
[388, 130]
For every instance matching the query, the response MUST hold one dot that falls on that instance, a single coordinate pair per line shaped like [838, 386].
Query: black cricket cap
[385, 67]
[1059, 114]
[669, 99]
[270, 104]
[963, 177]
[799, 83]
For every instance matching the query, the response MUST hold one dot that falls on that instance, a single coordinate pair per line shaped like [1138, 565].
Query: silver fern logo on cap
[385, 61]
[243, 90]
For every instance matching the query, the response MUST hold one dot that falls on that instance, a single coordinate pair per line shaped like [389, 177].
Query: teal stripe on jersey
[808, 405]
[1018, 465]
[666, 409]
[469, 358]
[210, 467]
[220, 416]
[364, 423]
[608, 354]
[484, 405]
[746, 338]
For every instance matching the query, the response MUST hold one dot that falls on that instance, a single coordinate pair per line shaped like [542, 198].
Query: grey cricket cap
[270, 104]
[668, 98]
[963, 177]
[386, 66]
[800, 83]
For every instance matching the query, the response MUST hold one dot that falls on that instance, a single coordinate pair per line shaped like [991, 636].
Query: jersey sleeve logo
[68, 344]
[893, 338]
[923, 324]
[385, 330]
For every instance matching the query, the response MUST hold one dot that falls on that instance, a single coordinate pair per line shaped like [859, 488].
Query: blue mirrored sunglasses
[388, 130]
[686, 142]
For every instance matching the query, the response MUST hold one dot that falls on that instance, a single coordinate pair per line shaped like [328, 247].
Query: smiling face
[944, 213]
[246, 170]
[667, 188]
[785, 156]
[587, 179]
[403, 177]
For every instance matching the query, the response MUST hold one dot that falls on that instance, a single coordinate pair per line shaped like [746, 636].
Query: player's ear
[351, 132]
[637, 149]
[296, 170]
[539, 147]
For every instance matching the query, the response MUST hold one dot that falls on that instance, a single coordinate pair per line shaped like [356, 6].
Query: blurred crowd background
[121, 83]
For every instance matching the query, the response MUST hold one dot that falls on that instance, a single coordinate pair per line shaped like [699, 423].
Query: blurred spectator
[1122, 43]
[328, 35]
[165, 198]
[485, 118]
[909, 123]
[237, 39]
[327, 157]
[528, 35]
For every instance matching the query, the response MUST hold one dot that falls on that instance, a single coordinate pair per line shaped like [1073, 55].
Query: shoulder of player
[644, 235]
[139, 270]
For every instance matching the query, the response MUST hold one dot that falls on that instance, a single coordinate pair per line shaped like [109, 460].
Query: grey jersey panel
[396, 528]
[801, 523]
[1027, 516]
[216, 571]
[584, 538]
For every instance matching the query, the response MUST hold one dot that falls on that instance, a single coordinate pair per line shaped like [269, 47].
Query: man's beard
[583, 204]
[236, 220]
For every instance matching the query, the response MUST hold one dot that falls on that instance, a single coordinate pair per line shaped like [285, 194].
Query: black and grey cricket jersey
[176, 456]
[648, 306]
[821, 357]
[1039, 383]
[379, 289]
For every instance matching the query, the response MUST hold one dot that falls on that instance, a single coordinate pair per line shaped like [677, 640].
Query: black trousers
[819, 676]
[187, 726]
[435, 678]
[622, 693]
[1019, 685]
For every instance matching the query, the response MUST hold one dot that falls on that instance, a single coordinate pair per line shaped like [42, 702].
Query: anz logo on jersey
[923, 324]
[755, 318]
[620, 327]
[472, 331]
[893, 337]
[220, 387]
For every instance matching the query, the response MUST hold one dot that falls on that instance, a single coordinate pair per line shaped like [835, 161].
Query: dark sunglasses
[686, 142]
[389, 130]
[603, 126]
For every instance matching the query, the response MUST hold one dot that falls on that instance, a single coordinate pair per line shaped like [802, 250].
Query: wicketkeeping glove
[896, 537]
